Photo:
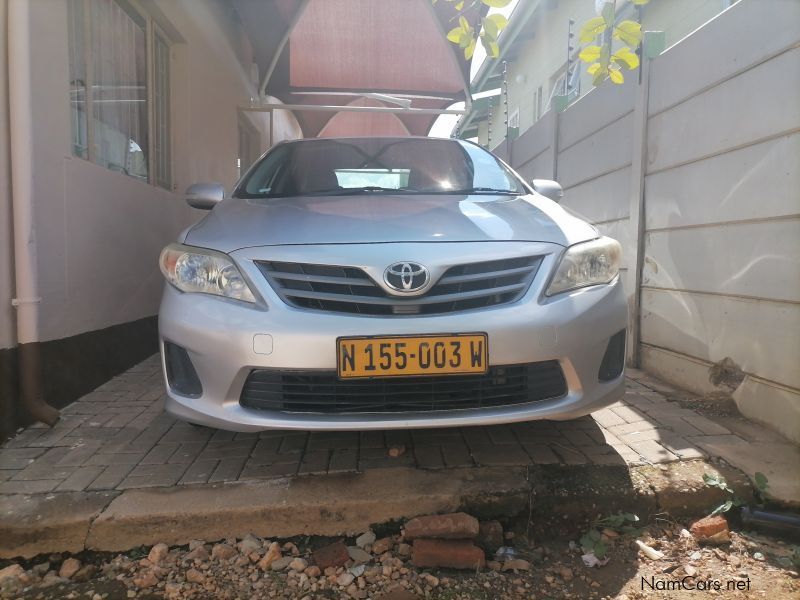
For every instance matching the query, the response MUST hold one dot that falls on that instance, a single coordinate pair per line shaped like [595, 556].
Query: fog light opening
[181, 376]
[614, 358]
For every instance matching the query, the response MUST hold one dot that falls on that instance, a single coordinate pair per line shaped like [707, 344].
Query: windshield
[375, 165]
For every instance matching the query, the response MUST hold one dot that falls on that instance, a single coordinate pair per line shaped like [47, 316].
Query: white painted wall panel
[750, 259]
[722, 203]
[99, 232]
[601, 199]
[751, 106]
[537, 139]
[683, 371]
[116, 228]
[760, 336]
[776, 406]
[756, 182]
[596, 109]
[602, 152]
[540, 167]
[745, 34]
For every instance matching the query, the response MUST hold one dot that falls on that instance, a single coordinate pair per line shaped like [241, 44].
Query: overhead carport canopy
[358, 67]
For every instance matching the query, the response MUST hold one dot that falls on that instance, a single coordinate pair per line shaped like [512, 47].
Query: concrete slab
[37, 524]
[779, 461]
[333, 505]
[349, 504]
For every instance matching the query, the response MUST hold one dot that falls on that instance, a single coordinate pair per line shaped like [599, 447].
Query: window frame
[151, 31]
[155, 33]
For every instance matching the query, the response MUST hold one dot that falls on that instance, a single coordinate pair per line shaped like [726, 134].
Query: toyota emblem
[406, 277]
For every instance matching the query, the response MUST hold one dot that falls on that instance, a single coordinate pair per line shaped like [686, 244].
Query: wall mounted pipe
[27, 297]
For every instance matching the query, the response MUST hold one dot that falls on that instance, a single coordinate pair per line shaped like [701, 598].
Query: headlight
[203, 271]
[587, 263]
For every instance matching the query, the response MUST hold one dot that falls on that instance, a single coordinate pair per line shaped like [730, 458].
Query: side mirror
[548, 188]
[204, 196]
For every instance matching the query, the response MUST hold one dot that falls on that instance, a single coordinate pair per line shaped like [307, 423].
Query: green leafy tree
[466, 37]
[604, 61]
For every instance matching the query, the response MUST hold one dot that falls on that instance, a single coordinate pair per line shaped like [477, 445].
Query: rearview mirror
[204, 196]
[548, 188]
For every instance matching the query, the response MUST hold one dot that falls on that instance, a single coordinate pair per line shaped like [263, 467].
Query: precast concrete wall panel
[602, 199]
[721, 270]
[717, 122]
[533, 150]
[753, 182]
[751, 106]
[757, 260]
[707, 326]
[603, 151]
[599, 108]
[744, 35]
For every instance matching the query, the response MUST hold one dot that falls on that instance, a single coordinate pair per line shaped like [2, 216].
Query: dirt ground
[751, 566]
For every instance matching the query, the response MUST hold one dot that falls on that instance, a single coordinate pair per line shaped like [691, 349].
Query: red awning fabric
[327, 52]
[363, 124]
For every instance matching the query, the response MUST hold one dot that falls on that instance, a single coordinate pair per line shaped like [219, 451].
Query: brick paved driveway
[118, 437]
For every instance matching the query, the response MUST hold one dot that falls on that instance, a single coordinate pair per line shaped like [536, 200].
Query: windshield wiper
[358, 190]
[481, 190]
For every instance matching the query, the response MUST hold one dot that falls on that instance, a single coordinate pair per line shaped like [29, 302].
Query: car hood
[361, 219]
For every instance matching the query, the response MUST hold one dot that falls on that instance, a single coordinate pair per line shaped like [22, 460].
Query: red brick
[332, 555]
[709, 526]
[456, 526]
[453, 554]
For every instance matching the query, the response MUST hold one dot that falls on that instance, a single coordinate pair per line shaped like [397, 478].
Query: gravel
[235, 569]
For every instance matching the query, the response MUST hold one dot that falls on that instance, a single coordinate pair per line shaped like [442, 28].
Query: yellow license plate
[396, 356]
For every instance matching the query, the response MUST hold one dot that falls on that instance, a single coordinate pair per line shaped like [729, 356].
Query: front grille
[323, 392]
[350, 290]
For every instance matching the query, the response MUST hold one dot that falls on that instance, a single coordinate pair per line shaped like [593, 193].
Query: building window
[161, 128]
[565, 88]
[116, 59]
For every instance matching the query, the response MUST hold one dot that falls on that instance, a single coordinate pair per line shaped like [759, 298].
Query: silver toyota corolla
[377, 283]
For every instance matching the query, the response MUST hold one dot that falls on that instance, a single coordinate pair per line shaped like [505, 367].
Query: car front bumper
[226, 340]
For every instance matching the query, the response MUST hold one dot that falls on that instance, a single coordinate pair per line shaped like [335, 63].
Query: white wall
[7, 330]
[100, 232]
[716, 127]
[721, 274]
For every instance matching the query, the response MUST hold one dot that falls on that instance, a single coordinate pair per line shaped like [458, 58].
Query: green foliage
[714, 480]
[762, 483]
[466, 37]
[795, 557]
[592, 28]
[622, 523]
[604, 62]
[592, 541]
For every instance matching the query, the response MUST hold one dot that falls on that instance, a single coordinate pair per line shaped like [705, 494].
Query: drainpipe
[27, 294]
